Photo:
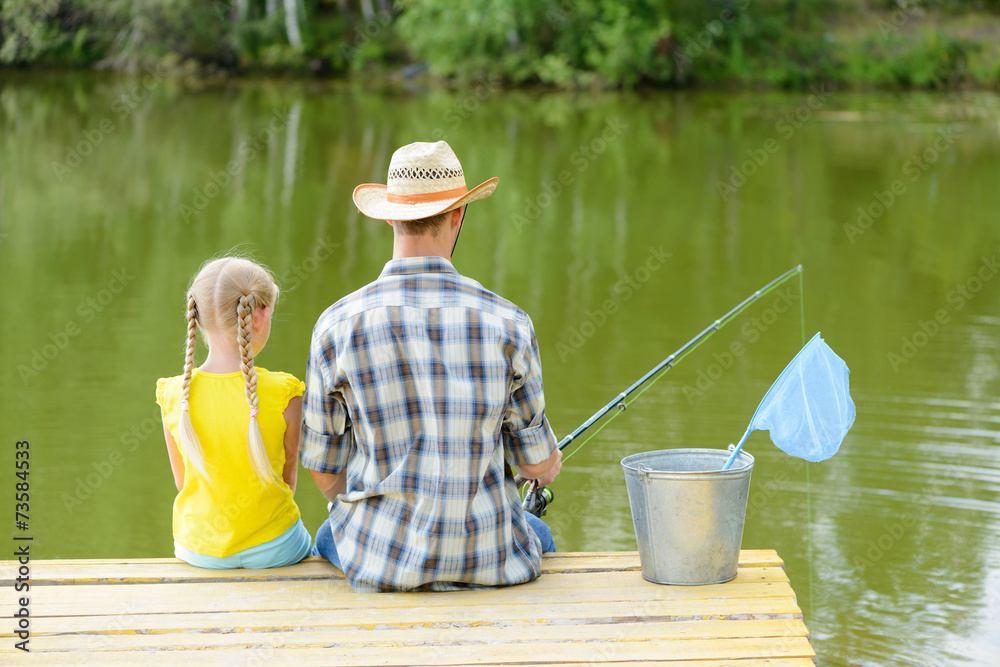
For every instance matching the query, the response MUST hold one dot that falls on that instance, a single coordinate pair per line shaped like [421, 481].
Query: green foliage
[984, 65]
[370, 43]
[134, 34]
[29, 30]
[562, 42]
[255, 35]
[928, 61]
[951, 6]
[778, 43]
[628, 44]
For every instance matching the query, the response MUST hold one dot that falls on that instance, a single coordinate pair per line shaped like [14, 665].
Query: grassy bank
[927, 44]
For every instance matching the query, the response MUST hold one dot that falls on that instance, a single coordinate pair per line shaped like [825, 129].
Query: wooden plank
[53, 572]
[628, 584]
[494, 654]
[732, 608]
[677, 611]
[747, 557]
[149, 570]
[47, 573]
[152, 598]
[553, 578]
[586, 608]
[749, 662]
[331, 588]
[78, 572]
[439, 635]
[279, 657]
[758, 558]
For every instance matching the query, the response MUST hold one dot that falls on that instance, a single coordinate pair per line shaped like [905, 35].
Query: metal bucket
[688, 513]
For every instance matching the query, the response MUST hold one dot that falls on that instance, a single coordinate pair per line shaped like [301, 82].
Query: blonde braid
[189, 439]
[255, 441]
[192, 341]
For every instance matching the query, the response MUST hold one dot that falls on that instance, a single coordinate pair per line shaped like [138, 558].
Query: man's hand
[550, 475]
[329, 484]
[546, 471]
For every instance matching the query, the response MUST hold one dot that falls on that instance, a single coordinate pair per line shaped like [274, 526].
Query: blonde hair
[222, 298]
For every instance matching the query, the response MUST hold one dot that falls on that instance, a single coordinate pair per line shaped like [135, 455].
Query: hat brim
[370, 198]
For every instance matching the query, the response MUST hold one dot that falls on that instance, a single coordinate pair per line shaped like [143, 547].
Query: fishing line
[630, 395]
[621, 402]
[627, 397]
[624, 404]
[809, 541]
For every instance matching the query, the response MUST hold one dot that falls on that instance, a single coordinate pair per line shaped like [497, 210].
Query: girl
[237, 426]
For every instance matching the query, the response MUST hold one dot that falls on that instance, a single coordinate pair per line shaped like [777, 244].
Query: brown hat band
[425, 197]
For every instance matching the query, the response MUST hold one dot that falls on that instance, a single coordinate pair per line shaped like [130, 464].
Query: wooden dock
[586, 608]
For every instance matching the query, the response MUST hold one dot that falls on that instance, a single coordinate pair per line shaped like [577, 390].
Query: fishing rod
[537, 500]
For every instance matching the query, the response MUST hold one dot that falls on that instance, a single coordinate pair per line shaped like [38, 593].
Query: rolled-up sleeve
[327, 439]
[529, 438]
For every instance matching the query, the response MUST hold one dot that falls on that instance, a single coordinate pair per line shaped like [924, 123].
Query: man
[422, 389]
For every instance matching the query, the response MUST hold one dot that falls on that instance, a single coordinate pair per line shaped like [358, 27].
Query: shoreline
[750, 45]
[391, 82]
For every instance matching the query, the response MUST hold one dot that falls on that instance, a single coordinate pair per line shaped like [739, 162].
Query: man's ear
[456, 216]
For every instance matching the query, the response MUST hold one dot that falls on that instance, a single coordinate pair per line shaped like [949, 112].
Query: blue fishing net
[808, 410]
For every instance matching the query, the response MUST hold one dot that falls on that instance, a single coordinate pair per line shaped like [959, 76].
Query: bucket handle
[644, 476]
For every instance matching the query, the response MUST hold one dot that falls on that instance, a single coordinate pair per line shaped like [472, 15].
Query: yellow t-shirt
[235, 511]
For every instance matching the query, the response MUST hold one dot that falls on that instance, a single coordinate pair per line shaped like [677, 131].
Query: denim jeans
[326, 547]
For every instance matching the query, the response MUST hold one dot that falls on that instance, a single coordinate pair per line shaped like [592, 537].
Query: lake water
[623, 224]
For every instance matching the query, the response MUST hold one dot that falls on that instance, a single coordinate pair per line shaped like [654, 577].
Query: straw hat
[425, 179]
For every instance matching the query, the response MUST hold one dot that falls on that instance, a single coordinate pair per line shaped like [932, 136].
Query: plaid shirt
[421, 385]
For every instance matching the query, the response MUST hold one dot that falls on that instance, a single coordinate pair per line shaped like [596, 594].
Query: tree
[292, 24]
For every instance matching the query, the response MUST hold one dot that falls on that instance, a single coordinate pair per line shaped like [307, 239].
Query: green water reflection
[893, 546]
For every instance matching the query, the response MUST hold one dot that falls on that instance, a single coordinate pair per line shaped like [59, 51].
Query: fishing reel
[536, 500]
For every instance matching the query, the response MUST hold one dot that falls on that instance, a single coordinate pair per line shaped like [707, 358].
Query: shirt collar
[414, 265]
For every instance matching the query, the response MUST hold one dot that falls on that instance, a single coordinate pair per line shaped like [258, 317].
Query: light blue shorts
[286, 549]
